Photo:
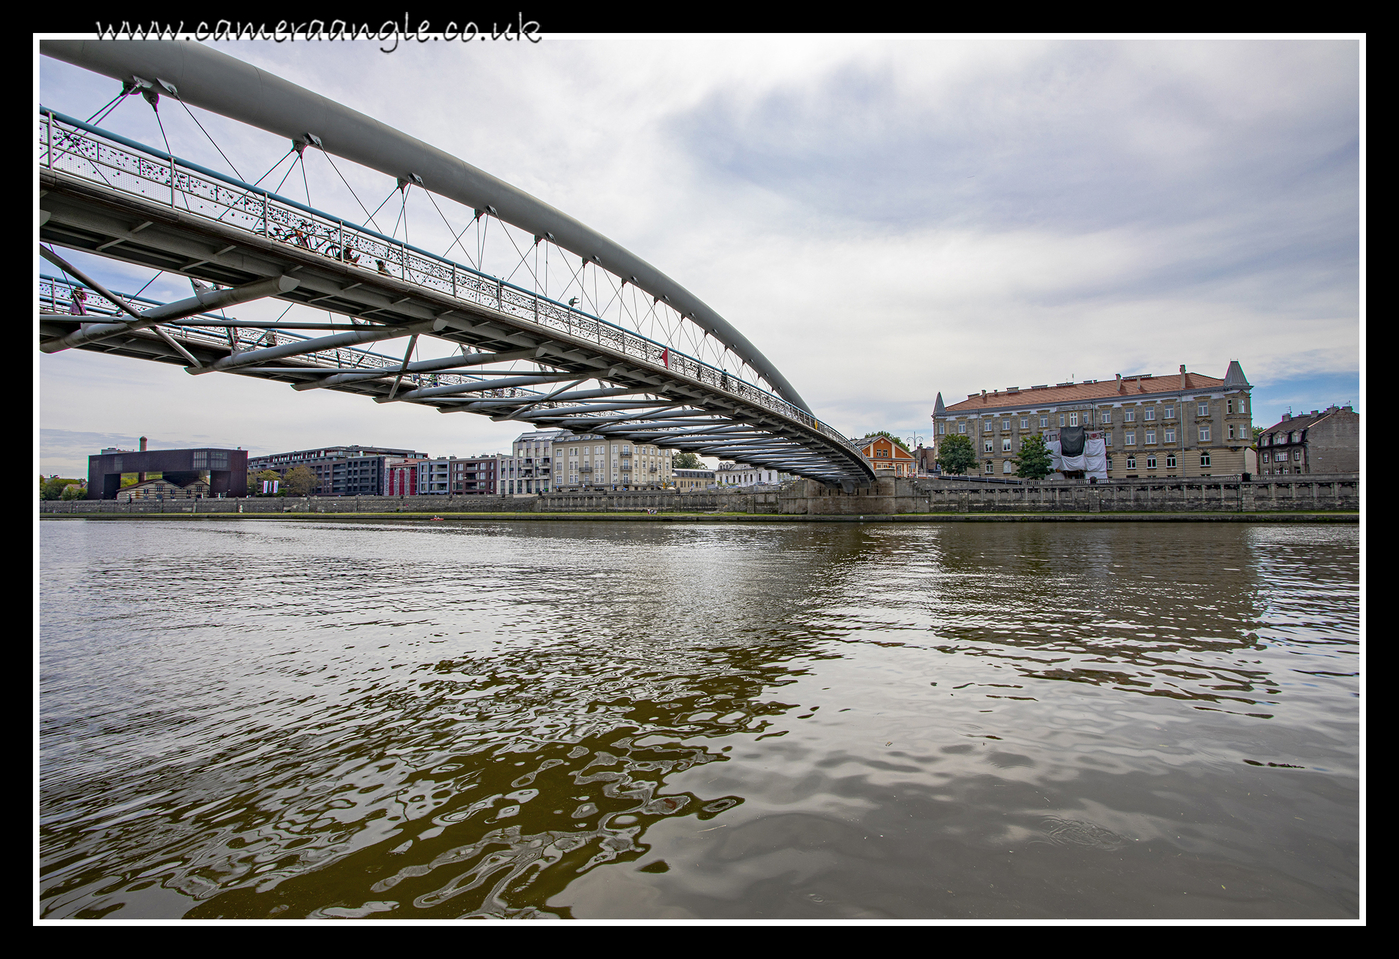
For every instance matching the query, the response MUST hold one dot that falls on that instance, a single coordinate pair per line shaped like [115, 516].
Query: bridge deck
[118, 199]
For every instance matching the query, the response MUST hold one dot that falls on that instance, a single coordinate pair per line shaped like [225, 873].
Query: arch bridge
[640, 359]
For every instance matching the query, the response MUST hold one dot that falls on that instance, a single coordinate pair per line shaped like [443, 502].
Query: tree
[1034, 461]
[902, 445]
[300, 481]
[53, 487]
[74, 490]
[956, 455]
[255, 482]
[686, 461]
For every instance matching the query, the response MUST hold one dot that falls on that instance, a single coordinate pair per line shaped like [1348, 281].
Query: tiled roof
[1302, 422]
[1133, 386]
[866, 441]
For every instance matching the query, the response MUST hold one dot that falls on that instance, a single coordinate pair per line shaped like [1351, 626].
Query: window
[942, 429]
[1170, 461]
[1107, 438]
[1149, 414]
[988, 468]
[1129, 438]
[1005, 445]
[1024, 422]
[1131, 462]
[961, 426]
[1231, 431]
[1204, 434]
[988, 425]
[1109, 466]
[1009, 468]
[1151, 436]
[1005, 424]
[1044, 422]
[986, 447]
[1203, 409]
[1228, 406]
[1151, 462]
[1061, 419]
[1204, 459]
[1129, 416]
[1170, 434]
[1106, 417]
[1296, 456]
[1168, 412]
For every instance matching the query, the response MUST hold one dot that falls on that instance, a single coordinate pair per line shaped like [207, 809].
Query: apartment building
[401, 476]
[741, 474]
[530, 468]
[591, 461]
[340, 470]
[1182, 424]
[478, 474]
[1322, 441]
[690, 480]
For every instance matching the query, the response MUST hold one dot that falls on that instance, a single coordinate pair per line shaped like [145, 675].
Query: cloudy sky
[886, 218]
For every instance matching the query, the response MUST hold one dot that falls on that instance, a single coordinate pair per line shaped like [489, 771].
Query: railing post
[172, 181]
[49, 145]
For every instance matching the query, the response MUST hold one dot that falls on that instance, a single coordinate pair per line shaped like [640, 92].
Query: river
[412, 720]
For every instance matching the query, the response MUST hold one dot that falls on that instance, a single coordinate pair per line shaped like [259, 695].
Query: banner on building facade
[1074, 449]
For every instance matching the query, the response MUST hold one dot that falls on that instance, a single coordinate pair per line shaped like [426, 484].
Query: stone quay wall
[706, 501]
[887, 497]
[892, 496]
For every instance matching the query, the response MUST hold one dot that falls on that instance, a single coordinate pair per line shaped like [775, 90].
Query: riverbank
[892, 499]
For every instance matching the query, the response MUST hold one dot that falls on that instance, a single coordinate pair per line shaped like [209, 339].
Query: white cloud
[885, 217]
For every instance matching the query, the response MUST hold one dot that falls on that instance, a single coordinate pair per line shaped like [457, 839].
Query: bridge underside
[584, 379]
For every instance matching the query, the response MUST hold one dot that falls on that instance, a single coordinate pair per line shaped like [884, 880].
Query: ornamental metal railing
[56, 296]
[79, 149]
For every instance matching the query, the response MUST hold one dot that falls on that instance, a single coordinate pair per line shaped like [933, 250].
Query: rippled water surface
[639, 720]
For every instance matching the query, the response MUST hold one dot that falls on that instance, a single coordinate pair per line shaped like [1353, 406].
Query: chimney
[983, 396]
[1119, 382]
[143, 444]
[1182, 376]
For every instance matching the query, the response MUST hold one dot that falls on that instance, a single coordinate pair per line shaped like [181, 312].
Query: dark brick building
[226, 471]
[1322, 441]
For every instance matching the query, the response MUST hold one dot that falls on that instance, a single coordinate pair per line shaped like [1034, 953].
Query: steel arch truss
[503, 350]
